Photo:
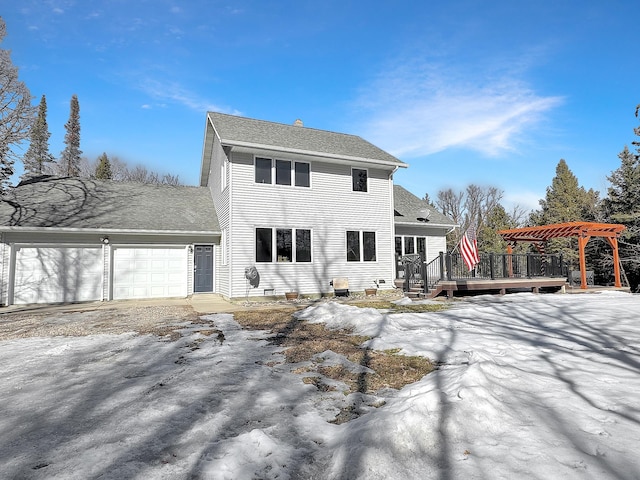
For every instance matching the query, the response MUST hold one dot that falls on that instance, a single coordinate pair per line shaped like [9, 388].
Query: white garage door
[149, 272]
[57, 274]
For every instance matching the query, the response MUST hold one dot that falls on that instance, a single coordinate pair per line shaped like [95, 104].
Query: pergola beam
[582, 230]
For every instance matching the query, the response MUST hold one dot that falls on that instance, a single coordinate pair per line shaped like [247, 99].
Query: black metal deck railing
[450, 266]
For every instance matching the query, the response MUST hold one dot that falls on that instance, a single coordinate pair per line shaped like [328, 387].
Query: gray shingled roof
[85, 203]
[408, 207]
[234, 130]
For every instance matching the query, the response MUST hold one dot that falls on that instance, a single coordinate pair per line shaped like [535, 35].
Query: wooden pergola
[582, 230]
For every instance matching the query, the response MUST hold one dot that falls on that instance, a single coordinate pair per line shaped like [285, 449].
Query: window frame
[360, 256]
[279, 172]
[409, 240]
[353, 180]
[300, 250]
[277, 253]
[260, 258]
[297, 176]
[255, 170]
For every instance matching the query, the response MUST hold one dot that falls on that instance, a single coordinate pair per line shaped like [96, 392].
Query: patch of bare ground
[163, 321]
[303, 340]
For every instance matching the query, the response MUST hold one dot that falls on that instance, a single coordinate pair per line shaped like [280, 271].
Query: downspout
[393, 227]
[226, 249]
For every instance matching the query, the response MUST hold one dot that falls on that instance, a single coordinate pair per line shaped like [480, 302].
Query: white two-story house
[302, 206]
[279, 208]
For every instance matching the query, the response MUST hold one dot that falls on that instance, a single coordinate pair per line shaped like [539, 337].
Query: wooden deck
[501, 285]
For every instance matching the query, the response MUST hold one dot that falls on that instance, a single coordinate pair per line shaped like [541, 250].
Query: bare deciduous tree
[468, 207]
[16, 113]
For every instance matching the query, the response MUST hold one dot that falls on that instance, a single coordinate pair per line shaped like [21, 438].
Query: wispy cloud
[420, 110]
[176, 94]
[524, 199]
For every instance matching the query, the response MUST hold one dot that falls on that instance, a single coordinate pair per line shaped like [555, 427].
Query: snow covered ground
[529, 386]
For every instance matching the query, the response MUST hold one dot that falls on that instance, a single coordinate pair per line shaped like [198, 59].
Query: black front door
[203, 268]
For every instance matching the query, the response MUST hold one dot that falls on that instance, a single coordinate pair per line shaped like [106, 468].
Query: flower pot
[370, 291]
[291, 295]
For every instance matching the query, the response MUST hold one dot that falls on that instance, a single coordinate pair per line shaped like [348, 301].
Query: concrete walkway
[201, 303]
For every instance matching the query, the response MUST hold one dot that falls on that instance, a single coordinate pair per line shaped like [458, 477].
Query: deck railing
[450, 266]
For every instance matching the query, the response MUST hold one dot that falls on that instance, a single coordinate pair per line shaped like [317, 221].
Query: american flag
[469, 248]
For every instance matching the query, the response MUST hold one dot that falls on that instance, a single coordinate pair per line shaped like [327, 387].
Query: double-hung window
[359, 180]
[361, 246]
[263, 170]
[302, 174]
[291, 245]
[285, 172]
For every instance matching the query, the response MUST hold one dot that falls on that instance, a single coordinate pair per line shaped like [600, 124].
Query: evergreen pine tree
[103, 170]
[70, 156]
[622, 205]
[488, 239]
[566, 201]
[38, 153]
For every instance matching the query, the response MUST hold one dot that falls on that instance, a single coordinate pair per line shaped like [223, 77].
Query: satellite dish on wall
[424, 214]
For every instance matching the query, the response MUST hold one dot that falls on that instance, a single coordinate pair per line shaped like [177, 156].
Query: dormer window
[359, 179]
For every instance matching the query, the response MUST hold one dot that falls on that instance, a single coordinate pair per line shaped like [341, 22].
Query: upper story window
[263, 170]
[303, 174]
[359, 179]
[285, 172]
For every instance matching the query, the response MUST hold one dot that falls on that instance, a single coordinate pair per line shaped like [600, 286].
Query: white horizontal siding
[222, 203]
[4, 271]
[329, 208]
[435, 245]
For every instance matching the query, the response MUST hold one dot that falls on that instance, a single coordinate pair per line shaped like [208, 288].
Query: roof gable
[72, 202]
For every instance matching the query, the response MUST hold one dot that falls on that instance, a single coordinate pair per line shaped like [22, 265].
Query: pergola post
[616, 261]
[582, 242]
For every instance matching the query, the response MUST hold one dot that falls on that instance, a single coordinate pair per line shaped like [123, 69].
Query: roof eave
[427, 224]
[104, 231]
[311, 153]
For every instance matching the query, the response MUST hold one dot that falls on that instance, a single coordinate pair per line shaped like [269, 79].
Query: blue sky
[492, 93]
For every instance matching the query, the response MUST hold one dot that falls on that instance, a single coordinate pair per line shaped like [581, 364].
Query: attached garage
[73, 239]
[55, 274]
[149, 272]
